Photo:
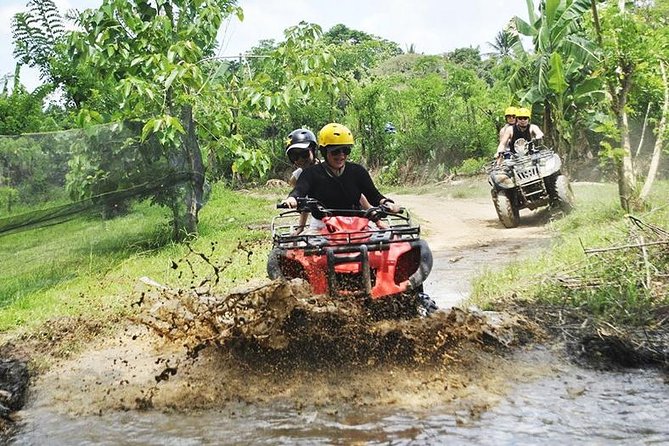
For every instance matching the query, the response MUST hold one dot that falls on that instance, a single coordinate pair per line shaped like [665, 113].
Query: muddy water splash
[281, 323]
[236, 391]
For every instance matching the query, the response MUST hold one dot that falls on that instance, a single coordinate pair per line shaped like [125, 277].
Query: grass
[612, 285]
[86, 266]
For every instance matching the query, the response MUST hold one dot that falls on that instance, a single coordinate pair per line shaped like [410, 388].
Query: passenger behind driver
[510, 118]
[521, 129]
[337, 183]
[301, 151]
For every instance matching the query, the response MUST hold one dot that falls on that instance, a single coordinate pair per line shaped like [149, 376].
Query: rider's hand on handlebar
[291, 202]
[391, 207]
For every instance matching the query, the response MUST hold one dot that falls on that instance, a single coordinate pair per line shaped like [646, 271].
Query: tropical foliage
[592, 75]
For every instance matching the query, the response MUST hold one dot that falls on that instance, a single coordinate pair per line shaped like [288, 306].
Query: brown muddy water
[573, 406]
[447, 380]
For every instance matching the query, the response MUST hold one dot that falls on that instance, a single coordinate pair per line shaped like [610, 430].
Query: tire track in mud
[278, 344]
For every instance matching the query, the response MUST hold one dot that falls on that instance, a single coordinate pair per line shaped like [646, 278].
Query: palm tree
[504, 42]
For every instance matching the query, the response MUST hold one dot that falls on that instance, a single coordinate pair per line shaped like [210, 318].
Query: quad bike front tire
[565, 196]
[425, 304]
[507, 213]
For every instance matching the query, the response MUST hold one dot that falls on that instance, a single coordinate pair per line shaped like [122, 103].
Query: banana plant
[559, 73]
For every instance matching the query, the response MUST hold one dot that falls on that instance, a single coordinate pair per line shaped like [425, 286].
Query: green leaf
[170, 79]
[556, 78]
[148, 129]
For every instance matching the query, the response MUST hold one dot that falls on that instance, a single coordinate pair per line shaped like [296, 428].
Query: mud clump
[276, 343]
[14, 380]
[280, 324]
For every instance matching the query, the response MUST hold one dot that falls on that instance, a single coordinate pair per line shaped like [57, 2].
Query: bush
[472, 166]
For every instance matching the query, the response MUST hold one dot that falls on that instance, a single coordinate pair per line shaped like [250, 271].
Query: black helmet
[299, 140]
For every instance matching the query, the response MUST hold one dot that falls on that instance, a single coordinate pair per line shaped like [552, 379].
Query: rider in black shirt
[521, 129]
[336, 182]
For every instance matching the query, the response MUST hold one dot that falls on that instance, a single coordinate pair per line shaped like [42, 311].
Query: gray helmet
[300, 140]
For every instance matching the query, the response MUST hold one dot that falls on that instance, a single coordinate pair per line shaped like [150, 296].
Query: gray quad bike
[529, 178]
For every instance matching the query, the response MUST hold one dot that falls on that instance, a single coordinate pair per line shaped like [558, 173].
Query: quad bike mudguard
[348, 257]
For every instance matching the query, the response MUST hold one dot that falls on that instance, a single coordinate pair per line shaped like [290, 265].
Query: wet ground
[486, 395]
[572, 406]
[460, 377]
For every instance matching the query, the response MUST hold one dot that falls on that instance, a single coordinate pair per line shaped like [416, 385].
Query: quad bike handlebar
[316, 208]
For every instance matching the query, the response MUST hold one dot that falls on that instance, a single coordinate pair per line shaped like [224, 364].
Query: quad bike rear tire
[565, 195]
[507, 213]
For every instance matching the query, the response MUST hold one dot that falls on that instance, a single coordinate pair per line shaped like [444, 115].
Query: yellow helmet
[334, 134]
[523, 112]
[510, 111]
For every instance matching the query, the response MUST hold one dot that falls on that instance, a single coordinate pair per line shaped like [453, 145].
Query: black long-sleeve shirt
[342, 192]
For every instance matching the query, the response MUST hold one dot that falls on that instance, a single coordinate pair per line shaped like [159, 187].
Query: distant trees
[152, 65]
[504, 42]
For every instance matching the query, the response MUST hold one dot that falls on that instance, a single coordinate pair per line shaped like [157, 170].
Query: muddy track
[457, 356]
[453, 224]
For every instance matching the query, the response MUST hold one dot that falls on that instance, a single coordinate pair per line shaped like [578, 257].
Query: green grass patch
[86, 266]
[622, 285]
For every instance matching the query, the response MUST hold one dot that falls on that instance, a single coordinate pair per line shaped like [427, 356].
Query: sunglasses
[510, 116]
[340, 150]
[297, 154]
[523, 118]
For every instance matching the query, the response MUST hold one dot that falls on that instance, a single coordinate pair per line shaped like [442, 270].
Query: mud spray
[276, 343]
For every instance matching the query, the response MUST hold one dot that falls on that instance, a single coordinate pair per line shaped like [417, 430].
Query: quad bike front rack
[324, 252]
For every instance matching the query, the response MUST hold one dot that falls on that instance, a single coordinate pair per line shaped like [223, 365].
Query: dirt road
[121, 372]
[466, 237]
[463, 223]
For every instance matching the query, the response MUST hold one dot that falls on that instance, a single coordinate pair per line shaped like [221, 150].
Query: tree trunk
[643, 131]
[659, 142]
[190, 193]
[625, 167]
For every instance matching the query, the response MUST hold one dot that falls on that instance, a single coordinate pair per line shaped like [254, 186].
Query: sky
[431, 26]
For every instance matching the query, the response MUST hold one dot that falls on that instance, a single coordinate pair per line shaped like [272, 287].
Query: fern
[36, 33]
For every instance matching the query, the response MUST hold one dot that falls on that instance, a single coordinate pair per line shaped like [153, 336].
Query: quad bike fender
[273, 266]
[501, 179]
[322, 270]
[425, 267]
[550, 165]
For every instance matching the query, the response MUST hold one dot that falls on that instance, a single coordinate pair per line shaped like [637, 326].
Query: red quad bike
[372, 255]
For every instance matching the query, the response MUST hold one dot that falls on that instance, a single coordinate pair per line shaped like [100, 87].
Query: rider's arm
[301, 188]
[302, 223]
[372, 194]
[366, 185]
[364, 203]
[294, 176]
[504, 140]
[303, 184]
[536, 132]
